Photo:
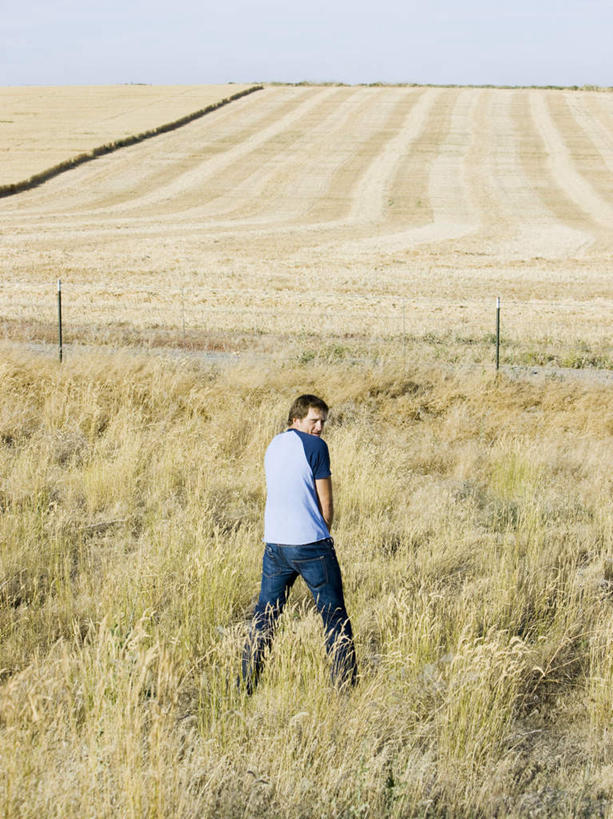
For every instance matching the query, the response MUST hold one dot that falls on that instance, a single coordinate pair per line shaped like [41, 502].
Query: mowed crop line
[257, 188]
[296, 180]
[250, 191]
[409, 194]
[169, 161]
[369, 196]
[539, 172]
[528, 214]
[201, 182]
[452, 203]
[134, 177]
[358, 163]
[360, 143]
[224, 170]
[446, 195]
[595, 137]
[424, 196]
[337, 177]
[514, 217]
[337, 170]
[602, 109]
[367, 210]
[411, 175]
[487, 169]
[44, 127]
[564, 167]
[231, 161]
[233, 143]
[503, 196]
[293, 170]
[363, 200]
[306, 179]
[104, 149]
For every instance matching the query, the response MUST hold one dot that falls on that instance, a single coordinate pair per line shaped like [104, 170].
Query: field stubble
[475, 533]
[44, 127]
[333, 216]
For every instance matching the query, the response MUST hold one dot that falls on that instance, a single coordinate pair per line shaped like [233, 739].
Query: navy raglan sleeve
[318, 457]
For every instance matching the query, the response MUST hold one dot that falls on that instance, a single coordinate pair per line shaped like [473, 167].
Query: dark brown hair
[300, 408]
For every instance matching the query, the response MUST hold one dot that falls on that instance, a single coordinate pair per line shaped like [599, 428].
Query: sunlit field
[332, 215]
[349, 242]
[44, 126]
[475, 532]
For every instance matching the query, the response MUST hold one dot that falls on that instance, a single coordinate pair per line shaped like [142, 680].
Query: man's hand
[323, 487]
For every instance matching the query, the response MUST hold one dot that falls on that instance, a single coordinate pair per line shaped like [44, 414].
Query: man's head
[308, 414]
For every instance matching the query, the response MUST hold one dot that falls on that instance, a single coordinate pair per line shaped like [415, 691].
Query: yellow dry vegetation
[475, 531]
[356, 239]
[42, 126]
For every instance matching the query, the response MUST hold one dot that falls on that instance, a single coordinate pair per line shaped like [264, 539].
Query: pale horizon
[519, 44]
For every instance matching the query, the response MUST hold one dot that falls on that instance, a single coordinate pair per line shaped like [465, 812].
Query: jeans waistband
[315, 543]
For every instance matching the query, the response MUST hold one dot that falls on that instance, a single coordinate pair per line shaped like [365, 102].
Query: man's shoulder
[295, 438]
[279, 443]
[279, 438]
[312, 442]
[316, 453]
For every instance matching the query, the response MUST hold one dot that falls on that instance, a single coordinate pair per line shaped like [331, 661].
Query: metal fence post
[59, 316]
[404, 337]
[497, 333]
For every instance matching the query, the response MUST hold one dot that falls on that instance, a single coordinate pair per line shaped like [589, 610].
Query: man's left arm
[323, 487]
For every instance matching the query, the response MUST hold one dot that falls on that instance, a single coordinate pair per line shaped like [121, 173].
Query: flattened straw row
[110, 147]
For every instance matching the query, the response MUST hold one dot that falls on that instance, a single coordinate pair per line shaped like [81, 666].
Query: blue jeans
[316, 563]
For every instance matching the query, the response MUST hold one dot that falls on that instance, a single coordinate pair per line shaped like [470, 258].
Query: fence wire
[117, 316]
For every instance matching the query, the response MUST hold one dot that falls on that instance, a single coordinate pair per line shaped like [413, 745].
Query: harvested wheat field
[42, 127]
[356, 240]
[358, 214]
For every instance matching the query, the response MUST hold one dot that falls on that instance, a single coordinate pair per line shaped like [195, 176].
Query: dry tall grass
[475, 533]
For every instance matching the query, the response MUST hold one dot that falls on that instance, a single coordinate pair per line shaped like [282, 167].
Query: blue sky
[541, 42]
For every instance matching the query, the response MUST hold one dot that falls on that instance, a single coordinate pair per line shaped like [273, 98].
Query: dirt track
[333, 207]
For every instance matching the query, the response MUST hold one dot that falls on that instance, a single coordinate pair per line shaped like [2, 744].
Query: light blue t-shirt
[293, 462]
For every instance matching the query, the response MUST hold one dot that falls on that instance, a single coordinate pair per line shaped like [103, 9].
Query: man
[297, 521]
